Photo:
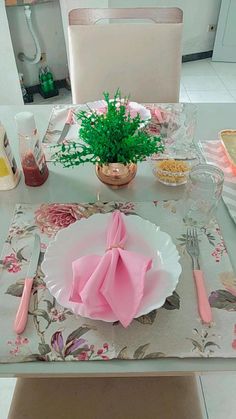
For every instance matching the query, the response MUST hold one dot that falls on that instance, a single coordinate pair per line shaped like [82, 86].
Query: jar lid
[25, 123]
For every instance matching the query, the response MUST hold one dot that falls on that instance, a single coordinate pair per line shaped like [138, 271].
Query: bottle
[27, 97]
[32, 156]
[43, 80]
[50, 79]
[9, 173]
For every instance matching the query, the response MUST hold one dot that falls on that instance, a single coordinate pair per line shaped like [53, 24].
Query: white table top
[81, 185]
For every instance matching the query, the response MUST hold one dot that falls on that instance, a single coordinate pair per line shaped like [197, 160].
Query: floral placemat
[174, 122]
[53, 333]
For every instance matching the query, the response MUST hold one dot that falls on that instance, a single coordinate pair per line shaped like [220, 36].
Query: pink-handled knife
[22, 313]
[68, 123]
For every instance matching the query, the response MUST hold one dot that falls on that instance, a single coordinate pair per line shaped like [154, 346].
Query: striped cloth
[213, 152]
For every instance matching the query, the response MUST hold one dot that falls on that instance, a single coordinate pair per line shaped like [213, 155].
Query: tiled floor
[208, 81]
[201, 81]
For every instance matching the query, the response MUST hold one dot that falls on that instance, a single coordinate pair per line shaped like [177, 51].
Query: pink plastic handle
[203, 303]
[70, 117]
[22, 313]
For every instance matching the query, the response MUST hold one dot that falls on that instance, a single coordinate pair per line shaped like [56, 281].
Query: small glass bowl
[169, 177]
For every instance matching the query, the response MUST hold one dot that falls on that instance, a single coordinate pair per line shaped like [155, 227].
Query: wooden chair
[106, 398]
[142, 59]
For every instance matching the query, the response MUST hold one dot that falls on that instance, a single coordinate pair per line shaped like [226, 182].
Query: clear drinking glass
[178, 130]
[203, 192]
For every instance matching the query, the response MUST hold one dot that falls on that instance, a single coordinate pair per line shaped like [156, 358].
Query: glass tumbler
[178, 131]
[203, 192]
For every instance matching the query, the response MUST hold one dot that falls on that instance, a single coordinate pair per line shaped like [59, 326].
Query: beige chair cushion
[143, 60]
[106, 398]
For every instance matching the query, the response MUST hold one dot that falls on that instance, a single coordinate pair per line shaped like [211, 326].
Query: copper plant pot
[116, 175]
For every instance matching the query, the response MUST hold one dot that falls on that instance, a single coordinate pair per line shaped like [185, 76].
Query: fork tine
[188, 234]
[196, 242]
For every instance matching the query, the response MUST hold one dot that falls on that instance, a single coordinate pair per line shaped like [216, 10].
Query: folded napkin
[114, 282]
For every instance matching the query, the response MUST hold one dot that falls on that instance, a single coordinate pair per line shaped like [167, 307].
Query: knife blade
[22, 312]
[68, 123]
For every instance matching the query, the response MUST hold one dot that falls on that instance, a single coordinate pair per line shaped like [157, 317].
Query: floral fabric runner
[175, 123]
[53, 333]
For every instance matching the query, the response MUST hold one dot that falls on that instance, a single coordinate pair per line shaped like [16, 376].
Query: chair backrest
[142, 59]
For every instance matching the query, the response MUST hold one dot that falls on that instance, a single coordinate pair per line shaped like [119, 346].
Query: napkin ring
[115, 246]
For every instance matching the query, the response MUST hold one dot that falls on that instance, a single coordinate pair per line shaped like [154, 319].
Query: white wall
[198, 14]
[48, 25]
[10, 92]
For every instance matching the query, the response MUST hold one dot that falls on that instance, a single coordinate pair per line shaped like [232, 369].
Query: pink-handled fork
[192, 247]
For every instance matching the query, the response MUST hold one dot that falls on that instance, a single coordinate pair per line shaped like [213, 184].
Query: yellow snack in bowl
[172, 171]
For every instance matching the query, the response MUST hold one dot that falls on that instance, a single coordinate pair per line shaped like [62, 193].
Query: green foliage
[110, 137]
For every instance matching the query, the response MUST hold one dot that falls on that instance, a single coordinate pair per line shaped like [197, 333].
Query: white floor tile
[7, 386]
[198, 68]
[224, 69]
[203, 83]
[219, 392]
[214, 96]
[229, 82]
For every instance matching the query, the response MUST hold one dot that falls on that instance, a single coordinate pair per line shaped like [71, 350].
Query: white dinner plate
[88, 236]
[144, 113]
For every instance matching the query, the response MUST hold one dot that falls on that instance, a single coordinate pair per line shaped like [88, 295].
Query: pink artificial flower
[83, 356]
[102, 110]
[127, 207]
[52, 217]
[105, 357]
[11, 263]
[14, 351]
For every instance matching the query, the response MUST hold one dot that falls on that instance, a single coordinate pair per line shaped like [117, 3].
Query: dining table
[80, 184]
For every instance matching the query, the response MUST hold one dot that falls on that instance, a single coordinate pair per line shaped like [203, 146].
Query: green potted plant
[111, 139]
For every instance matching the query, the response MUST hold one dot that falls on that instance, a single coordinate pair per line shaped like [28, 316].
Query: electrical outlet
[212, 28]
[43, 58]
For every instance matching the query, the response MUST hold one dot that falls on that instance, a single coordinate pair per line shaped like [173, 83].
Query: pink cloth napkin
[114, 282]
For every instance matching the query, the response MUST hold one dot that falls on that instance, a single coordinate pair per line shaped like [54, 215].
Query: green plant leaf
[19, 255]
[15, 290]
[196, 344]
[172, 302]
[49, 305]
[154, 355]
[123, 354]
[34, 357]
[44, 348]
[140, 351]
[211, 344]
[77, 333]
[147, 318]
[223, 299]
[41, 313]
[111, 138]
